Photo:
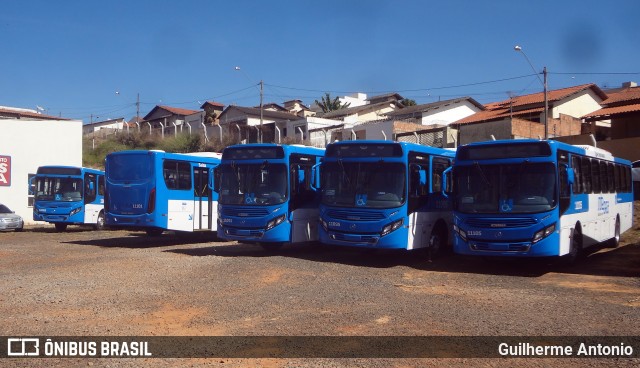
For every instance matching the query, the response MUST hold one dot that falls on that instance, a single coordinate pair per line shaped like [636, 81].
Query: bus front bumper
[394, 240]
[547, 247]
[280, 233]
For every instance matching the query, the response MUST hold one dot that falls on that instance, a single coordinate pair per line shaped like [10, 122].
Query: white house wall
[449, 114]
[577, 106]
[34, 143]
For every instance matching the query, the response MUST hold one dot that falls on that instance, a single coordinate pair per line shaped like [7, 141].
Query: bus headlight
[459, 231]
[543, 233]
[74, 211]
[275, 222]
[324, 224]
[391, 227]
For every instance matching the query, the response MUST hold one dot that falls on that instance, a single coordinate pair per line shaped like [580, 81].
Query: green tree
[408, 102]
[327, 104]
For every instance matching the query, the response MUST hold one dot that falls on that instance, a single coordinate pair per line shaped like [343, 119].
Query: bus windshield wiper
[344, 173]
[482, 174]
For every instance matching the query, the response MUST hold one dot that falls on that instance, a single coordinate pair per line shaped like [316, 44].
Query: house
[105, 127]
[364, 113]
[522, 116]
[252, 124]
[298, 108]
[441, 112]
[166, 119]
[212, 111]
[621, 109]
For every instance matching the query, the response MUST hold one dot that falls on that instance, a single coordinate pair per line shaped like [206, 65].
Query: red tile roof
[503, 109]
[625, 95]
[26, 114]
[615, 110]
[178, 111]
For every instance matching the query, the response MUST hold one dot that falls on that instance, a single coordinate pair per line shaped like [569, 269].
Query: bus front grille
[500, 223]
[355, 215]
[244, 211]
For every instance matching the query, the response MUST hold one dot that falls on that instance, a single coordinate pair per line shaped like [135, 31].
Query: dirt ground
[121, 283]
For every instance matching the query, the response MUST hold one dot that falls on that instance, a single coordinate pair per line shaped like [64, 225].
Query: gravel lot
[88, 283]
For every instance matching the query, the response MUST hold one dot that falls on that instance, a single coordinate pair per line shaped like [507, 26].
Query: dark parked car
[9, 220]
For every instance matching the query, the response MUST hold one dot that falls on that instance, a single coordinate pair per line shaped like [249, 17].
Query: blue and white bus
[67, 195]
[384, 194]
[156, 191]
[266, 194]
[531, 198]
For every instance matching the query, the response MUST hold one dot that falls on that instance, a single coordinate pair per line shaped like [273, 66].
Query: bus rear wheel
[615, 241]
[437, 242]
[61, 227]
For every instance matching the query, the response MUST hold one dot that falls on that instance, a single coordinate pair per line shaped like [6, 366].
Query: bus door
[91, 208]
[202, 199]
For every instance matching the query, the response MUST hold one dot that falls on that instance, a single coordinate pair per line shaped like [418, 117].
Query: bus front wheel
[61, 227]
[437, 242]
[100, 222]
[575, 249]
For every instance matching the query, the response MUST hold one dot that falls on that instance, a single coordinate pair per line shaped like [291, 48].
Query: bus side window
[577, 169]
[438, 166]
[595, 176]
[89, 188]
[586, 175]
[101, 185]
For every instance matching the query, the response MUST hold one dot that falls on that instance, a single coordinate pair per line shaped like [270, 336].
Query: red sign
[5, 171]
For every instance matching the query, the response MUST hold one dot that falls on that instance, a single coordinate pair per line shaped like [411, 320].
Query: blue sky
[71, 57]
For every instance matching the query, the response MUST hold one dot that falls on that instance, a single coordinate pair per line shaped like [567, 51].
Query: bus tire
[615, 241]
[575, 248]
[100, 222]
[154, 231]
[61, 227]
[437, 241]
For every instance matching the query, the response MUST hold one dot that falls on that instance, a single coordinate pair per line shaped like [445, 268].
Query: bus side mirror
[422, 177]
[315, 179]
[213, 183]
[571, 177]
[446, 179]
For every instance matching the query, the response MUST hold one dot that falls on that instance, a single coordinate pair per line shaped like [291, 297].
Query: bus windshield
[511, 188]
[58, 189]
[363, 184]
[251, 184]
[129, 167]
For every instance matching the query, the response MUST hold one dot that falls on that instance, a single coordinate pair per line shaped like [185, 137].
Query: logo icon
[23, 347]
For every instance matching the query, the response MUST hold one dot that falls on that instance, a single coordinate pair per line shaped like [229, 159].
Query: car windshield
[513, 188]
[363, 184]
[4, 209]
[251, 184]
[58, 189]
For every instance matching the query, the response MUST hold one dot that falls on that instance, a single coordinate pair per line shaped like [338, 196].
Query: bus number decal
[137, 205]
[578, 205]
[603, 206]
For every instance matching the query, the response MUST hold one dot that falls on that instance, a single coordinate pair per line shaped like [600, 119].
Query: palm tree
[327, 104]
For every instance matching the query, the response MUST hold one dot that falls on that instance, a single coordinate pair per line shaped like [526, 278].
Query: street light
[261, 96]
[544, 84]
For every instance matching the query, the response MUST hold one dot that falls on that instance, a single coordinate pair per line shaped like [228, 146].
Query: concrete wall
[481, 132]
[34, 143]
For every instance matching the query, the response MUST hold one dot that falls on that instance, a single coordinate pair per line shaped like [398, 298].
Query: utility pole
[138, 108]
[261, 95]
